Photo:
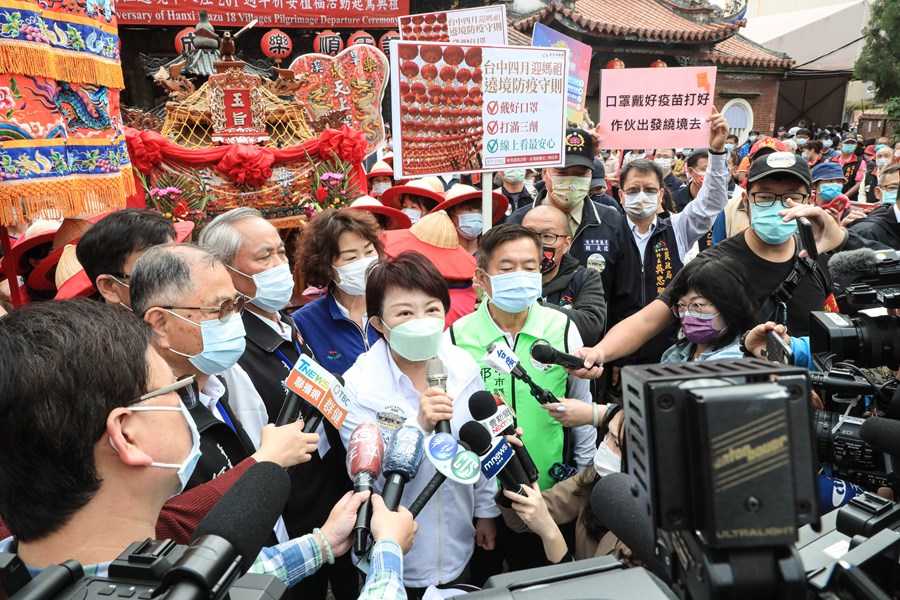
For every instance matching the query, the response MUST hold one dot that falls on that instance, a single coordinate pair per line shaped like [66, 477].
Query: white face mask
[569, 191]
[606, 461]
[641, 205]
[514, 176]
[380, 188]
[414, 214]
[665, 164]
[353, 276]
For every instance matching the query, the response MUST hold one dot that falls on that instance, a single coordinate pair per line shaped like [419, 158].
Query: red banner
[303, 14]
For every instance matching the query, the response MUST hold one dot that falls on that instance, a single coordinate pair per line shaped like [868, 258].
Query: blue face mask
[830, 191]
[767, 224]
[515, 292]
[414, 214]
[223, 344]
[827, 143]
[729, 147]
[274, 287]
[888, 196]
[801, 142]
[470, 225]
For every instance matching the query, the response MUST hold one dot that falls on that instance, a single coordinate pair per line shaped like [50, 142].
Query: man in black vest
[254, 255]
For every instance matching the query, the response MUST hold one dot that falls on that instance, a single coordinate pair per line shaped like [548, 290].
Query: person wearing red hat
[416, 198]
[380, 178]
[463, 206]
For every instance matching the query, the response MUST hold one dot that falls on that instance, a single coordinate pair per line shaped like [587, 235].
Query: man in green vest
[509, 270]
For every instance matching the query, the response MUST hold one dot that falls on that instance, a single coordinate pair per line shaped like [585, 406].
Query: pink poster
[656, 108]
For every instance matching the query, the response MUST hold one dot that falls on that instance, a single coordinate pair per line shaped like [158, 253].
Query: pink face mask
[699, 330]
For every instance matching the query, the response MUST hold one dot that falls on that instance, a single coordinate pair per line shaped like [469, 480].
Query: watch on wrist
[724, 151]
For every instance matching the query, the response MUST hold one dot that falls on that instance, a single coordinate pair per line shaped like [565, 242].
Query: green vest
[543, 435]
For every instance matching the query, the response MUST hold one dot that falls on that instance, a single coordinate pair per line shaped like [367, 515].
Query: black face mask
[548, 260]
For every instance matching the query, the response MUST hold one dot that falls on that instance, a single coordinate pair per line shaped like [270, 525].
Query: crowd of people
[129, 414]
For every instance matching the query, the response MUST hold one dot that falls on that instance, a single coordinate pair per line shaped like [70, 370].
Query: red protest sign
[657, 108]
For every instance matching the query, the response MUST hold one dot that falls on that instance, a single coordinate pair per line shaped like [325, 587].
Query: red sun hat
[435, 236]
[396, 218]
[380, 169]
[461, 192]
[420, 187]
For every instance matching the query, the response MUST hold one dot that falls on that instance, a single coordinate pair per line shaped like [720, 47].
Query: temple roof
[738, 51]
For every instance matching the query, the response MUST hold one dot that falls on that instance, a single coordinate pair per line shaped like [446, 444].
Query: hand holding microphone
[435, 408]
[548, 355]
[436, 375]
[573, 413]
[499, 420]
[286, 445]
[396, 526]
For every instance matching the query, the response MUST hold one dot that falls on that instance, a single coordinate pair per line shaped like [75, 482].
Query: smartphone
[839, 204]
[777, 349]
[807, 238]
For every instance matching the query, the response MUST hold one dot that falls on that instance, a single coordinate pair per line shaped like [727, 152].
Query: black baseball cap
[779, 162]
[598, 176]
[579, 148]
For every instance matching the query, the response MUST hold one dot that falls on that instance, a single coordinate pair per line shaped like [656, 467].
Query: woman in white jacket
[406, 300]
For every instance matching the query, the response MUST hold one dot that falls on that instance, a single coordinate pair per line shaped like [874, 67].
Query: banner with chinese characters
[309, 14]
[472, 109]
[579, 66]
[312, 382]
[352, 83]
[485, 26]
[237, 108]
[668, 106]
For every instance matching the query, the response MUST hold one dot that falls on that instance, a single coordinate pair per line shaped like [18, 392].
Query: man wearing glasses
[779, 187]
[883, 223]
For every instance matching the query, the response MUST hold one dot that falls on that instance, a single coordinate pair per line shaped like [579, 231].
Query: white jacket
[383, 395]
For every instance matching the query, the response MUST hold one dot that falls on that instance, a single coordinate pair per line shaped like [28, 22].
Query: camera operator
[754, 342]
[94, 439]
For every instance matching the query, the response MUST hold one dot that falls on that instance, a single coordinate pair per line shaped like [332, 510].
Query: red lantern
[184, 40]
[616, 63]
[659, 64]
[361, 38]
[328, 42]
[385, 42]
[276, 44]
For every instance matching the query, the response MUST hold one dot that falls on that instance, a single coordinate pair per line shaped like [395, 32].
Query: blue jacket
[334, 339]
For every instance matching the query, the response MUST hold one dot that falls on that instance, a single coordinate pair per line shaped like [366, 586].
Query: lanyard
[284, 358]
[224, 415]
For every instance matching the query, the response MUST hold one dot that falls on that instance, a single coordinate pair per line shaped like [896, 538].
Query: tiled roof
[517, 38]
[738, 51]
[646, 20]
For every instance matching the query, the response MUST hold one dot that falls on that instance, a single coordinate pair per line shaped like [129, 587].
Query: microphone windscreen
[853, 263]
[618, 510]
[482, 405]
[406, 451]
[247, 513]
[435, 371]
[365, 450]
[543, 353]
[882, 433]
[476, 436]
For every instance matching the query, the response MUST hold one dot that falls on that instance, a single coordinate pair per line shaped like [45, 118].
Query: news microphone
[497, 457]
[401, 463]
[856, 264]
[502, 359]
[499, 420]
[881, 433]
[247, 513]
[436, 375]
[614, 504]
[548, 355]
[835, 493]
[364, 454]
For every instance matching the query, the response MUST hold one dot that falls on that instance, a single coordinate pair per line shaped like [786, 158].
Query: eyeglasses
[225, 310]
[695, 309]
[767, 199]
[184, 387]
[550, 238]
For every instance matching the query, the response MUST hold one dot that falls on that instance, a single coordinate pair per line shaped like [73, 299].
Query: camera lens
[879, 340]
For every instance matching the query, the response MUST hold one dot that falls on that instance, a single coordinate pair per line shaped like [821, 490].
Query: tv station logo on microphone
[312, 382]
[496, 458]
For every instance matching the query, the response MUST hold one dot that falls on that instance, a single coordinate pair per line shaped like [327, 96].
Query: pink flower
[6, 99]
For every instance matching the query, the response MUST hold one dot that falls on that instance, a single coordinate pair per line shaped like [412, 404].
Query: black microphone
[616, 507]
[497, 460]
[247, 513]
[856, 264]
[498, 420]
[548, 355]
[430, 489]
[881, 433]
[294, 404]
[401, 463]
[436, 375]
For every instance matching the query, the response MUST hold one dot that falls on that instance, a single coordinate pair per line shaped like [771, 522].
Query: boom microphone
[617, 508]
[882, 434]
[497, 458]
[548, 355]
[364, 454]
[856, 264]
[436, 375]
[404, 455]
[498, 420]
[246, 514]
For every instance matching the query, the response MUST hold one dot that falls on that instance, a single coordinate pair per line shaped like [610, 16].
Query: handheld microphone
[548, 355]
[436, 375]
[882, 433]
[246, 514]
[496, 457]
[502, 359]
[616, 507]
[364, 454]
[835, 493]
[401, 463]
[499, 420]
[452, 461]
